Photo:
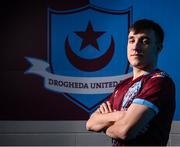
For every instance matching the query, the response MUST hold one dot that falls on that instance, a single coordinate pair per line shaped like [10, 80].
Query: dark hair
[145, 24]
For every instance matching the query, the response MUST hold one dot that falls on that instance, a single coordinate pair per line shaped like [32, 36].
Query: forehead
[144, 33]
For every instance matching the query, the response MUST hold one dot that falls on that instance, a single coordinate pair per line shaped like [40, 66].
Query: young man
[141, 108]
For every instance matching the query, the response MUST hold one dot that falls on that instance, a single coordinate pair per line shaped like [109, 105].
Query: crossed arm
[120, 124]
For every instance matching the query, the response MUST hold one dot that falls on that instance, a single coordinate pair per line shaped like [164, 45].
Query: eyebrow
[143, 37]
[131, 37]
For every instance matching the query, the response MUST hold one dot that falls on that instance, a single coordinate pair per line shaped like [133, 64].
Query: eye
[131, 40]
[145, 41]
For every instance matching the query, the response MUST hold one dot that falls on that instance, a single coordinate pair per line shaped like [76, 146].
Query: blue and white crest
[86, 53]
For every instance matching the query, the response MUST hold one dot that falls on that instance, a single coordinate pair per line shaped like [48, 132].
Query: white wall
[60, 133]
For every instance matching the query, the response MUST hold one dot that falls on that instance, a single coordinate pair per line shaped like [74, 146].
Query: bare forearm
[99, 122]
[117, 131]
[136, 118]
[103, 117]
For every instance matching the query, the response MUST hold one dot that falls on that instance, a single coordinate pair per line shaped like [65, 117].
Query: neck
[137, 72]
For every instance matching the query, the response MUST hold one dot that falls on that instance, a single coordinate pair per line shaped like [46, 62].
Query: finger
[98, 110]
[109, 106]
[106, 110]
[101, 108]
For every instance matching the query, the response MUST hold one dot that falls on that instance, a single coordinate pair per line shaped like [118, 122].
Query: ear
[159, 47]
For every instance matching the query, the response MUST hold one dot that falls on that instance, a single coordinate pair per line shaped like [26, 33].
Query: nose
[137, 46]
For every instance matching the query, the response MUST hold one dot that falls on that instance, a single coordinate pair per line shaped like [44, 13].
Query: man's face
[142, 49]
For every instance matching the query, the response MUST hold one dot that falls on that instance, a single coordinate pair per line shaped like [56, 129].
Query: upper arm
[135, 119]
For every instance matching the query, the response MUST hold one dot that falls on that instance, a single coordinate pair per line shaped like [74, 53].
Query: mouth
[137, 55]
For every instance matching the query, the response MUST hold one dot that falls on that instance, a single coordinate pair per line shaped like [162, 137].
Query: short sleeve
[154, 93]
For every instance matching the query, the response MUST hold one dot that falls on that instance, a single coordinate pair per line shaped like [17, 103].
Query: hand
[105, 107]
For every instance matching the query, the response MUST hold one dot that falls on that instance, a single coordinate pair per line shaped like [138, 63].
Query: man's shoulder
[159, 76]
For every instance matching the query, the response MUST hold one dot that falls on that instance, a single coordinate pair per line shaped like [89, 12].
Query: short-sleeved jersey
[155, 90]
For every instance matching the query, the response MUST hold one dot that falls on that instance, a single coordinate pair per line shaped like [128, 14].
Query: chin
[136, 64]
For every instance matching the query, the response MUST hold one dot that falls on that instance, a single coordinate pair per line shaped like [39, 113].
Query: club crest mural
[86, 54]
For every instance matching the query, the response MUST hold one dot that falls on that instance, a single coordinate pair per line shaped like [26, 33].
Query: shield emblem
[90, 43]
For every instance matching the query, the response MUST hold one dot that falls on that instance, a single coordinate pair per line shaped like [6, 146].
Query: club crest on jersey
[86, 54]
[159, 75]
